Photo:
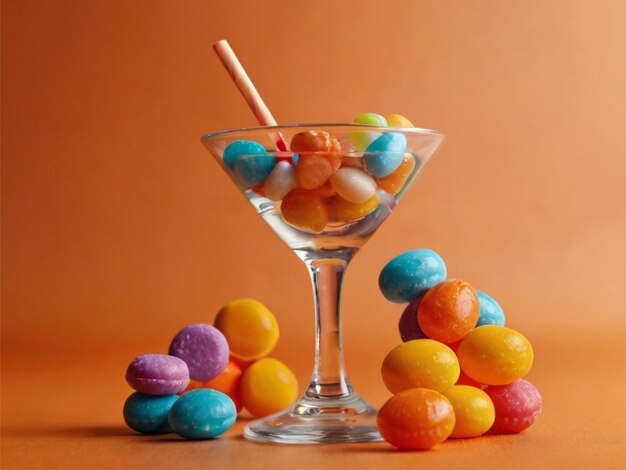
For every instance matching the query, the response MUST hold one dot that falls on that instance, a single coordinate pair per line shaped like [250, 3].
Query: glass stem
[329, 375]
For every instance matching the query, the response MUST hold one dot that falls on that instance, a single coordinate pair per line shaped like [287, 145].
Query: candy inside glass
[325, 231]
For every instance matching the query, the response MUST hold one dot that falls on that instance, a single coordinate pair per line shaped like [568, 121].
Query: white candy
[280, 181]
[353, 184]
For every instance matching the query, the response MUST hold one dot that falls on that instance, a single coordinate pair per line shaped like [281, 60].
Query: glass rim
[331, 125]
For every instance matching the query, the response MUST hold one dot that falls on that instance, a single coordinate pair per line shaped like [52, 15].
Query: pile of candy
[321, 180]
[459, 371]
[210, 374]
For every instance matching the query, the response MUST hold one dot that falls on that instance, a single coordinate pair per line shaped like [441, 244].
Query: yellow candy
[495, 355]
[420, 363]
[347, 211]
[394, 182]
[268, 386]
[397, 120]
[305, 209]
[249, 327]
[473, 408]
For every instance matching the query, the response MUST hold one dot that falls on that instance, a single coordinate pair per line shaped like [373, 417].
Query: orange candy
[448, 311]
[347, 211]
[418, 418]
[394, 182]
[312, 171]
[305, 209]
[314, 141]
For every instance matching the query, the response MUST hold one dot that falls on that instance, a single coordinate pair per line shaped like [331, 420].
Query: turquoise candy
[385, 154]
[251, 170]
[202, 414]
[411, 274]
[236, 149]
[148, 414]
[490, 311]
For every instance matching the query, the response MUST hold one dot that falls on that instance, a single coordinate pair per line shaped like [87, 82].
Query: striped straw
[247, 89]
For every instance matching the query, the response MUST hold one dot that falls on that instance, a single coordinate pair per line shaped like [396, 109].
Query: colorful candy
[346, 211]
[362, 139]
[407, 326]
[411, 274]
[495, 355]
[424, 363]
[228, 382]
[416, 419]
[148, 413]
[448, 311]
[353, 185]
[397, 120]
[239, 148]
[490, 311]
[204, 349]
[157, 374]
[305, 209]
[313, 171]
[202, 414]
[249, 327]
[473, 409]
[314, 141]
[268, 386]
[395, 181]
[383, 156]
[251, 170]
[280, 181]
[517, 405]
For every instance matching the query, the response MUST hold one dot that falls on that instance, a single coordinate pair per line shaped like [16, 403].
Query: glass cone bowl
[324, 198]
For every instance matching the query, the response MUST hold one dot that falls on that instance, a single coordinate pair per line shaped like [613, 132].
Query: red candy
[518, 405]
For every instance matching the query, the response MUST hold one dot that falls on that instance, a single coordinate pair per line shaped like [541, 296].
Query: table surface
[57, 414]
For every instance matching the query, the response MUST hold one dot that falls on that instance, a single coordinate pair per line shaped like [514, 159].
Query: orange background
[118, 228]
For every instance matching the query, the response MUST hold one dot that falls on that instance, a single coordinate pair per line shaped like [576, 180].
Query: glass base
[319, 420]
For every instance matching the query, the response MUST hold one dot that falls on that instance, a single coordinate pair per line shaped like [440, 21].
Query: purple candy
[204, 349]
[408, 326]
[158, 374]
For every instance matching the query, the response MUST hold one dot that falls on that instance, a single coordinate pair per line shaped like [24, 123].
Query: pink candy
[518, 405]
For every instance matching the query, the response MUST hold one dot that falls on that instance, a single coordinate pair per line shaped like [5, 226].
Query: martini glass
[330, 411]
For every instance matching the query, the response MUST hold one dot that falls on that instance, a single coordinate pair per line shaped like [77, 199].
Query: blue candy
[202, 414]
[251, 170]
[490, 311]
[235, 149]
[385, 154]
[148, 413]
[411, 274]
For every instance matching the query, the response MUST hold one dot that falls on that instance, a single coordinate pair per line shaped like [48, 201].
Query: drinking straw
[247, 89]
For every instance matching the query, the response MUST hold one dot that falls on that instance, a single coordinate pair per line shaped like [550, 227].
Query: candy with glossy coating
[148, 414]
[411, 274]
[202, 414]
[383, 156]
[448, 311]
[280, 181]
[465, 380]
[362, 139]
[157, 374]
[251, 170]
[249, 327]
[345, 211]
[490, 311]
[239, 148]
[395, 181]
[408, 326]
[416, 419]
[495, 355]
[204, 348]
[397, 120]
[424, 363]
[268, 386]
[353, 185]
[518, 405]
[473, 409]
[305, 210]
